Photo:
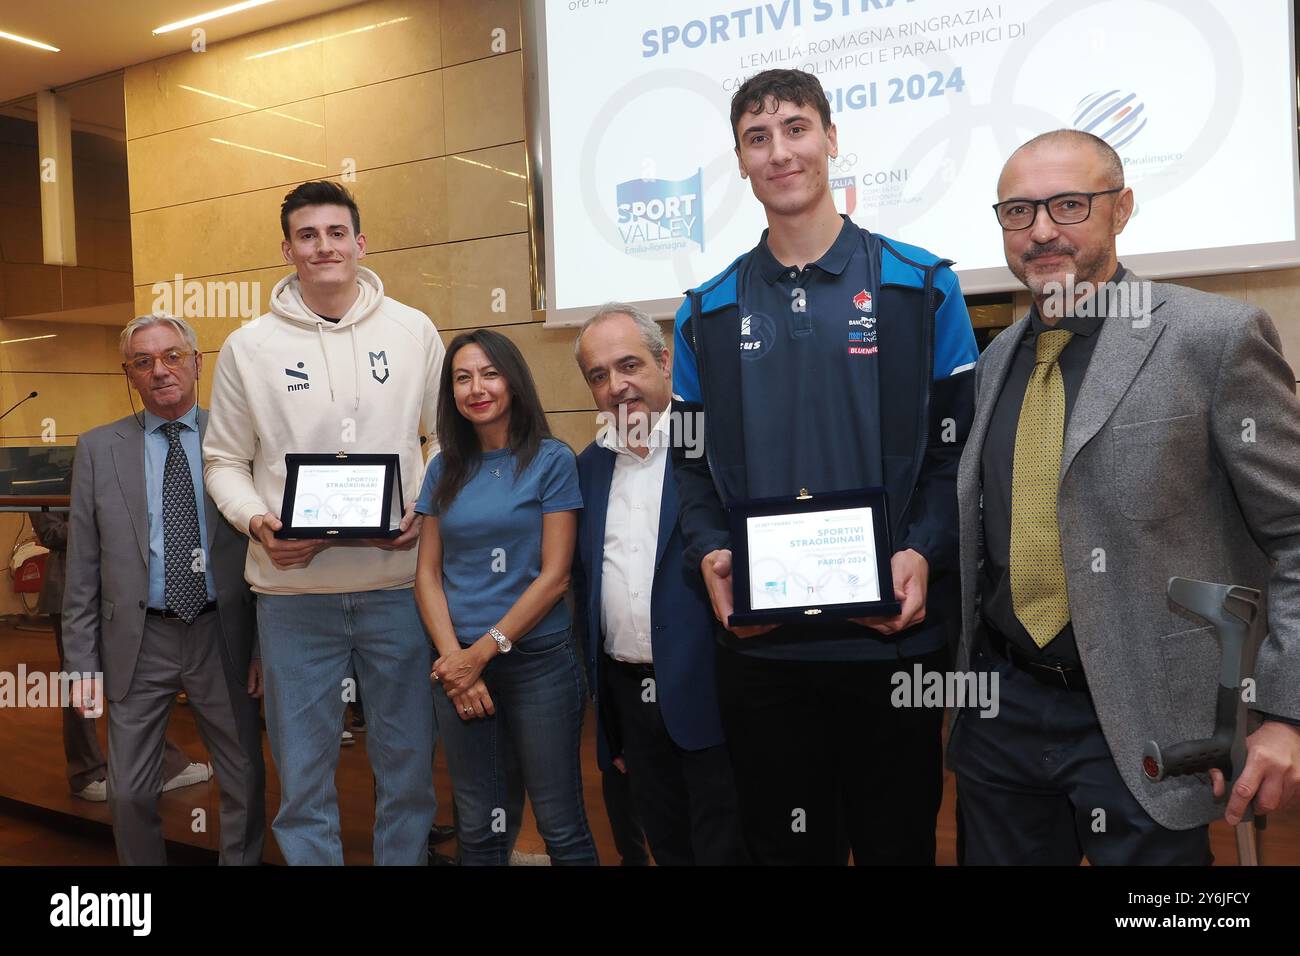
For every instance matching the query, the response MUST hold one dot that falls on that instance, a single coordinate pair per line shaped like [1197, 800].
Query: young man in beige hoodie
[334, 365]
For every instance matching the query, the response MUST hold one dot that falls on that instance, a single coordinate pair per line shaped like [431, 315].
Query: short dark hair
[790, 86]
[461, 454]
[322, 192]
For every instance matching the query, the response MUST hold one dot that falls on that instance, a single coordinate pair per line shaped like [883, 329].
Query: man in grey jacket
[156, 601]
[1125, 432]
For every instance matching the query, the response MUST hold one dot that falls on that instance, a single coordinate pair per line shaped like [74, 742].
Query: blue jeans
[310, 644]
[531, 744]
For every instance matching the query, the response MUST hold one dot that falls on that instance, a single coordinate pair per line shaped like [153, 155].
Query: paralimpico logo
[1115, 116]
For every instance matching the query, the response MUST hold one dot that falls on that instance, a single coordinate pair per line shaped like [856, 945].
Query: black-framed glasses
[1066, 209]
[143, 364]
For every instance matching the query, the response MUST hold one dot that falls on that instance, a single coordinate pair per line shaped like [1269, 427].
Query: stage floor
[32, 773]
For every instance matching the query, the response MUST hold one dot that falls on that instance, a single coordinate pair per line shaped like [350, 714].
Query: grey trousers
[86, 762]
[176, 656]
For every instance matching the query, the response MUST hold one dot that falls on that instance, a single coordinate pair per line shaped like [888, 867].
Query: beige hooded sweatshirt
[291, 382]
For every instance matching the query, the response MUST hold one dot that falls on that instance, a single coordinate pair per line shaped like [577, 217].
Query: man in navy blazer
[647, 626]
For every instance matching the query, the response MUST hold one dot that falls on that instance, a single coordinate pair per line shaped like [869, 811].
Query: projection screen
[637, 196]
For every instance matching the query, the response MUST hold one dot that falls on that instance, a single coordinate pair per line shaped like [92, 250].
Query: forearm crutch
[1240, 624]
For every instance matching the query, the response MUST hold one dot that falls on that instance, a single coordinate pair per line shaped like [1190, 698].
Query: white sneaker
[347, 739]
[194, 773]
[95, 792]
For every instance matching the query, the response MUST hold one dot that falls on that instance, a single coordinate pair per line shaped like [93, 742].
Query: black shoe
[439, 859]
[440, 834]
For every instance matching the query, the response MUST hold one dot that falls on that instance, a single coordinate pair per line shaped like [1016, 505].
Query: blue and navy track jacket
[927, 368]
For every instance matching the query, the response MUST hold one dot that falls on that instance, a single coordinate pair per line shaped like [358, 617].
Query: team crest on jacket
[862, 301]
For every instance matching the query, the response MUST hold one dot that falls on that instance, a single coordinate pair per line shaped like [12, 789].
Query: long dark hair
[461, 454]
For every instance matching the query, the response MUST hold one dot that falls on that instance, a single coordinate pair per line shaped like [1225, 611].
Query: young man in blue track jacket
[826, 358]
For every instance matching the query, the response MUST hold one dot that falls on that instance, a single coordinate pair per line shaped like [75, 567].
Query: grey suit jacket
[107, 585]
[1181, 458]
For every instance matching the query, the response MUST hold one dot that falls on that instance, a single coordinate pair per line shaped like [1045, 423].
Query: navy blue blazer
[681, 616]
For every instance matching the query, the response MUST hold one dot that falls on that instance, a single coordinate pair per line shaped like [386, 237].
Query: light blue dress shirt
[155, 460]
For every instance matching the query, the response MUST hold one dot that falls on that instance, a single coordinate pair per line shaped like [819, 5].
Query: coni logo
[1115, 116]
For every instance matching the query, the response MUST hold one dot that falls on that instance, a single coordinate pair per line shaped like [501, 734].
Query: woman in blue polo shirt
[495, 551]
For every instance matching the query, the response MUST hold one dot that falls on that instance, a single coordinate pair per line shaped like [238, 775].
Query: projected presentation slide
[643, 198]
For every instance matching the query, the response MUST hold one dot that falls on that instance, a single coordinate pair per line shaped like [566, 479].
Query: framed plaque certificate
[812, 557]
[341, 496]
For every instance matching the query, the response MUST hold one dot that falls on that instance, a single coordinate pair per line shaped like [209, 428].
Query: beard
[1086, 268]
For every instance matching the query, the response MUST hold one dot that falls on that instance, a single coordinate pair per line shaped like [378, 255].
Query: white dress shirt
[631, 543]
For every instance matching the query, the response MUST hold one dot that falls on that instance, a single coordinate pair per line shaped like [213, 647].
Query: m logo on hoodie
[382, 359]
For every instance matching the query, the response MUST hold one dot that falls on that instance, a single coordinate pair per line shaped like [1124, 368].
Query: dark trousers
[685, 799]
[824, 763]
[1037, 784]
[85, 759]
[629, 838]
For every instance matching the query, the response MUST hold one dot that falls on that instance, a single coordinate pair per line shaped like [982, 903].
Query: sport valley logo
[658, 215]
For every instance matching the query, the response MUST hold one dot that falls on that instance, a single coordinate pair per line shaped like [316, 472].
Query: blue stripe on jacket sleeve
[954, 339]
[686, 376]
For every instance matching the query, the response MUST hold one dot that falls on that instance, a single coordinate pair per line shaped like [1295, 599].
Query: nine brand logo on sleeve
[74, 909]
[298, 386]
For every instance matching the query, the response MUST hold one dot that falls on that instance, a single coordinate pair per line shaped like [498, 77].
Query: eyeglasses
[1066, 209]
[143, 364]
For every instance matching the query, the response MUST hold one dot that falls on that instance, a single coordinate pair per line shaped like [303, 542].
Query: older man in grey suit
[1125, 432]
[156, 600]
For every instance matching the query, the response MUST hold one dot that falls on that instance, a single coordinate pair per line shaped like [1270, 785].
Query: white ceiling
[98, 36]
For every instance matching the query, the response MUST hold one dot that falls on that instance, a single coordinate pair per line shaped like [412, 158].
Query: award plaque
[341, 496]
[811, 558]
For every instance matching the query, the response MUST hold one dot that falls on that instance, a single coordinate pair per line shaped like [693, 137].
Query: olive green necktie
[1037, 572]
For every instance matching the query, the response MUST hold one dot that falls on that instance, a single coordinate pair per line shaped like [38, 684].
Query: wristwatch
[503, 642]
